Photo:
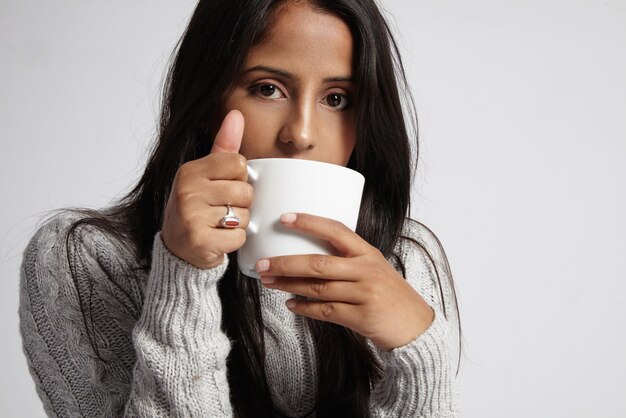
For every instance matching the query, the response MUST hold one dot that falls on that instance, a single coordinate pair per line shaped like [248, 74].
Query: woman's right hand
[200, 192]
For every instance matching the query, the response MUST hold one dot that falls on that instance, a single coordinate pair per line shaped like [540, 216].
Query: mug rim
[301, 160]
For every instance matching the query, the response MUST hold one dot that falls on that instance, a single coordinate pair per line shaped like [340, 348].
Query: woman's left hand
[358, 289]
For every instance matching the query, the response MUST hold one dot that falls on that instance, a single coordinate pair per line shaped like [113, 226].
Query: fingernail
[262, 265]
[268, 279]
[288, 218]
[290, 303]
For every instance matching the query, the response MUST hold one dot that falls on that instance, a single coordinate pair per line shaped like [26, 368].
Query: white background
[522, 108]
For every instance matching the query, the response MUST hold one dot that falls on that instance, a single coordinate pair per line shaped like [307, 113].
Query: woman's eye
[268, 91]
[336, 101]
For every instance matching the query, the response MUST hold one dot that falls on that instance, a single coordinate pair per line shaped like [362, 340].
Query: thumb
[228, 138]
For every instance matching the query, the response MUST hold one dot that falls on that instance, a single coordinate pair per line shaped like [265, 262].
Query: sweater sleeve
[151, 351]
[181, 349]
[418, 378]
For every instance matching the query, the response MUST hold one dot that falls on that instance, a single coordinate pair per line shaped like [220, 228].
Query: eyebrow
[291, 76]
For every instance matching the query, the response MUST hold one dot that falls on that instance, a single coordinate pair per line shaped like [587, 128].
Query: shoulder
[417, 240]
[418, 236]
[51, 230]
[67, 260]
[58, 248]
[65, 237]
[47, 249]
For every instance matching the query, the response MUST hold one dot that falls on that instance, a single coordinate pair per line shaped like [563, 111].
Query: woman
[139, 309]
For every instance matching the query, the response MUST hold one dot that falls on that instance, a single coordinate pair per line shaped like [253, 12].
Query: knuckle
[185, 170]
[182, 198]
[244, 217]
[370, 314]
[241, 160]
[373, 295]
[239, 163]
[376, 253]
[318, 287]
[240, 237]
[235, 193]
[243, 194]
[177, 195]
[338, 229]
[327, 309]
[248, 194]
[319, 264]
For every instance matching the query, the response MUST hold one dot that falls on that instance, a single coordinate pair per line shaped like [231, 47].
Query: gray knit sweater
[163, 348]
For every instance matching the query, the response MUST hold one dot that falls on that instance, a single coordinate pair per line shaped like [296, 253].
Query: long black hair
[207, 61]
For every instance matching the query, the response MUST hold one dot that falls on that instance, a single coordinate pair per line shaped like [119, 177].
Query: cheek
[260, 132]
[260, 124]
[342, 141]
[349, 148]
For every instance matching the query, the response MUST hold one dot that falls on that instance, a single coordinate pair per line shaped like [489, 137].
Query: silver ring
[230, 220]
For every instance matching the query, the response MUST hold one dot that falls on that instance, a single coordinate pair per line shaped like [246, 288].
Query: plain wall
[522, 109]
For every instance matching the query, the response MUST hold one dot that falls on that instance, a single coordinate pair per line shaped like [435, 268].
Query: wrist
[198, 263]
[213, 263]
[405, 333]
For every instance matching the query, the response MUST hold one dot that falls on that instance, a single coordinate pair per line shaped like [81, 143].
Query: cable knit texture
[160, 350]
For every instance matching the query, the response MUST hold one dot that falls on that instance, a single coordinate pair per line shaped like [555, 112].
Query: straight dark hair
[208, 59]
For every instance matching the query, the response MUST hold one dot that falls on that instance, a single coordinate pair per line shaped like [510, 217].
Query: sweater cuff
[421, 370]
[182, 306]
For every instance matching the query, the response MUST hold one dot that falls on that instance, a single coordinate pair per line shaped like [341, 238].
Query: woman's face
[295, 89]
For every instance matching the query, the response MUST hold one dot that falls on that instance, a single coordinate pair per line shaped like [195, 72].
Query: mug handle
[253, 176]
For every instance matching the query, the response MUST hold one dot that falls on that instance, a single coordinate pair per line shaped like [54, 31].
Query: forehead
[305, 40]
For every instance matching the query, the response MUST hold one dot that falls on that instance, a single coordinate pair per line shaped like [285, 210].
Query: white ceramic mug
[284, 185]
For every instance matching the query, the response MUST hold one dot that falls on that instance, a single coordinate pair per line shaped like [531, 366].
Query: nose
[299, 130]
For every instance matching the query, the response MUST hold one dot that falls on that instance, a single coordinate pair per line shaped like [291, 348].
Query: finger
[337, 234]
[320, 289]
[228, 192]
[223, 240]
[335, 312]
[220, 166]
[228, 138]
[202, 218]
[325, 267]
[217, 213]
